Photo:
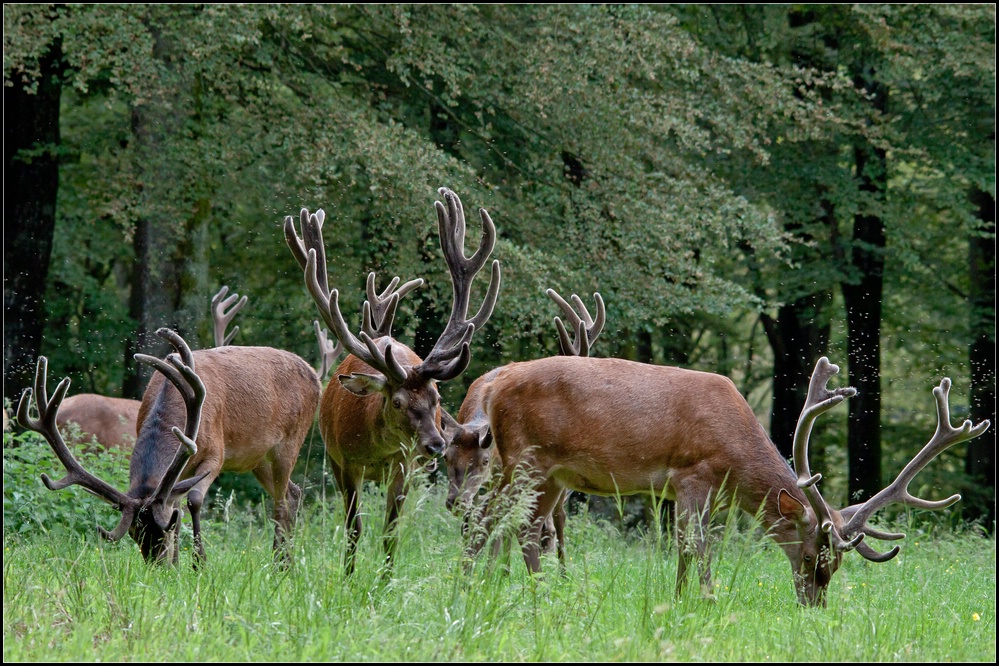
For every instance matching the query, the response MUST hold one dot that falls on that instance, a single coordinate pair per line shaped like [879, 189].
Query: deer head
[149, 510]
[407, 384]
[823, 534]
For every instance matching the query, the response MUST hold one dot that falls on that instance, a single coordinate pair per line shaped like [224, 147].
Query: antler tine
[327, 350]
[222, 318]
[587, 330]
[379, 309]
[819, 400]
[946, 436]
[45, 425]
[314, 253]
[449, 356]
[179, 370]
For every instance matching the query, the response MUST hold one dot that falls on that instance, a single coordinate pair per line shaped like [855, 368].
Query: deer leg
[294, 499]
[549, 494]
[549, 541]
[349, 484]
[558, 520]
[274, 480]
[395, 496]
[195, 500]
[693, 522]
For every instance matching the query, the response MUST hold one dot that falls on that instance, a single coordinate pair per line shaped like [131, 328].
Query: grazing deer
[385, 395]
[609, 426]
[243, 409]
[113, 422]
[471, 459]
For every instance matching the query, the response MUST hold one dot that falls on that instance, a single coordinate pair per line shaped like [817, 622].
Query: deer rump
[609, 426]
[259, 405]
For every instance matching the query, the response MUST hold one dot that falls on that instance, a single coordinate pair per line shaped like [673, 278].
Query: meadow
[69, 597]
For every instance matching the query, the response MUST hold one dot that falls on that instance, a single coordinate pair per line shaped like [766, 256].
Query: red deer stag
[385, 395]
[471, 458]
[113, 422]
[609, 426]
[242, 409]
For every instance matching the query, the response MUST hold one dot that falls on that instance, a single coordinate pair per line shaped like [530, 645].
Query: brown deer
[113, 422]
[471, 459]
[243, 409]
[384, 395]
[609, 426]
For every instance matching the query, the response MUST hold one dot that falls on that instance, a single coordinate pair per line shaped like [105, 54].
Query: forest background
[750, 187]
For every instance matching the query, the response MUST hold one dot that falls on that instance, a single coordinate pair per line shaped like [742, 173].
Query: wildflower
[976, 617]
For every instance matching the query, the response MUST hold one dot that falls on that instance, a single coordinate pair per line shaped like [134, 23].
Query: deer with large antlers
[609, 426]
[113, 422]
[384, 395]
[208, 411]
[470, 456]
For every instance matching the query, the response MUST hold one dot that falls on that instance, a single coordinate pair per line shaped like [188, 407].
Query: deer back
[609, 426]
[111, 421]
[256, 398]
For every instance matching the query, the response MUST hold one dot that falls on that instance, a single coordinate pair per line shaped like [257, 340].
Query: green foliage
[30, 508]
[69, 598]
[693, 163]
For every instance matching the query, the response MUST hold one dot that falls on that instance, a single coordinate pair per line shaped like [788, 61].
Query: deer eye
[397, 403]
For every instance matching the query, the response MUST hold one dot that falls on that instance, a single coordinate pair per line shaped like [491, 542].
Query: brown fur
[366, 436]
[110, 421]
[609, 426]
[260, 403]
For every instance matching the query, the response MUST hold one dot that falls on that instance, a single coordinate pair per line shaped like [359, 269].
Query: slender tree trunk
[170, 275]
[980, 464]
[133, 382]
[798, 337]
[31, 121]
[862, 300]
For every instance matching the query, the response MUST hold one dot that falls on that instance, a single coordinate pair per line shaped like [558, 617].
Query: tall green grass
[73, 598]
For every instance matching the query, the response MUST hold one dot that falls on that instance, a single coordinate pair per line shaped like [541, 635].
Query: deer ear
[362, 384]
[790, 508]
[485, 437]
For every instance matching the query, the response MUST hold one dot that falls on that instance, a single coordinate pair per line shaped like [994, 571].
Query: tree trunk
[862, 300]
[31, 122]
[133, 382]
[798, 338]
[980, 464]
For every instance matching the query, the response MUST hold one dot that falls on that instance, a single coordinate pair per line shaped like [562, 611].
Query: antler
[327, 350]
[379, 310]
[587, 330]
[848, 527]
[946, 436]
[450, 354]
[310, 252]
[820, 400]
[178, 368]
[222, 318]
[46, 426]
